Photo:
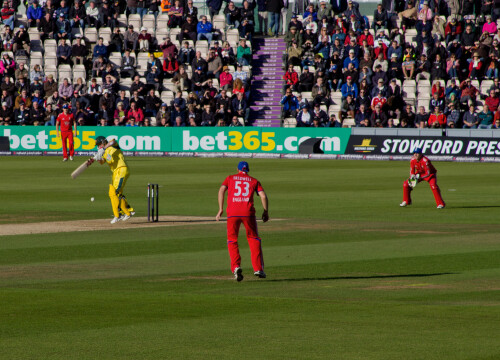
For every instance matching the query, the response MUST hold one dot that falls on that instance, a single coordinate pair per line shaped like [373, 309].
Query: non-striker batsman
[110, 153]
[241, 188]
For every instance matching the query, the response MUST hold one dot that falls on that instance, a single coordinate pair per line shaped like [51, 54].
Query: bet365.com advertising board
[36, 140]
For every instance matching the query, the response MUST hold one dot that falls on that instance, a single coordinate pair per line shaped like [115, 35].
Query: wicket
[153, 202]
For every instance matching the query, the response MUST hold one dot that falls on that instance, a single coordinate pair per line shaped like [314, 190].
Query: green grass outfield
[351, 275]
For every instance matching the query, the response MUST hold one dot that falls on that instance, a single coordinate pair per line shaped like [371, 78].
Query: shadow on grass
[364, 277]
[475, 207]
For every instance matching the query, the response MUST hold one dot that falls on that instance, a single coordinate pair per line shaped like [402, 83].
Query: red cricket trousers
[233, 228]
[67, 135]
[432, 180]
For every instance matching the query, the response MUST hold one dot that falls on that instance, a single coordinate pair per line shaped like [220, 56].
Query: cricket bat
[80, 169]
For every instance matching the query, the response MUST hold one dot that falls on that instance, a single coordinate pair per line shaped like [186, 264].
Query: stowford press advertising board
[36, 140]
[438, 147]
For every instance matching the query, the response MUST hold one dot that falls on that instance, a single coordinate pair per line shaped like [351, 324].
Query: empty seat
[135, 20]
[79, 72]
[91, 35]
[149, 21]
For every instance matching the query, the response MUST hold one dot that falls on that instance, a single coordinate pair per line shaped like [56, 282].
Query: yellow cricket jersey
[114, 158]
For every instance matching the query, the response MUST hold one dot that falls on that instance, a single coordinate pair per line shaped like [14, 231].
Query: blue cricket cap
[417, 151]
[243, 166]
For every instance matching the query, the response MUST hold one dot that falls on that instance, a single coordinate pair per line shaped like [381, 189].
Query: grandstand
[344, 45]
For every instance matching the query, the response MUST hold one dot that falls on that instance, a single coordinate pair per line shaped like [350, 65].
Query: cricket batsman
[66, 120]
[110, 153]
[241, 188]
[421, 169]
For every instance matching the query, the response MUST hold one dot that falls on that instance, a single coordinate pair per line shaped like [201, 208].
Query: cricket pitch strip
[103, 224]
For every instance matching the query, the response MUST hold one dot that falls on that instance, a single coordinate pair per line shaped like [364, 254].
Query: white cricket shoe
[238, 274]
[261, 274]
[65, 159]
[124, 217]
[132, 213]
[71, 158]
[115, 220]
[403, 204]
[440, 206]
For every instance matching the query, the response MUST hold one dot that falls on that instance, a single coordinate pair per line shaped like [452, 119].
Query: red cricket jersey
[423, 167]
[66, 121]
[240, 188]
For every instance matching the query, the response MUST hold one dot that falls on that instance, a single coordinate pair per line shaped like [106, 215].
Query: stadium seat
[149, 21]
[50, 46]
[91, 35]
[289, 122]
[50, 70]
[348, 122]
[115, 58]
[105, 33]
[64, 71]
[122, 21]
[79, 72]
[485, 87]
[135, 20]
[49, 61]
[162, 22]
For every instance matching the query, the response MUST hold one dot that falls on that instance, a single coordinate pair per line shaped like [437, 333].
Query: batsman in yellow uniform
[110, 153]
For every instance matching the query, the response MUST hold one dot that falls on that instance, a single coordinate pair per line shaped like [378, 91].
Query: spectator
[380, 18]
[378, 117]
[452, 116]
[100, 49]
[349, 88]
[320, 93]
[227, 53]
[214, 65]
[117, 40]
[436, 101]
[362, 117]
[35, 14]
[170, 67]
[23, 98]
[153, 78]
[489, 26]
[21, 115]
[127, 68]
[304, 117]
[46, 27]
[21, 41]
[188, 30]
[5, 114]
[145, 40]
[207, 117]
[320, 114]
[243, 53]
[239, 107]
[204, 29]
[246, 30]
[153, 61]
[262, 16]
[175, 15]
[348, 108]
[186, 53]
[291, 79]
[306, 80]
[77, 15]
[274, 9]
[492, 101]
[135, 113]
[475, 66]
[198, 79]
[131, 39]
[66, 90]
[153, 104]
[63, 53]
[62, 28]
[233, 16]
[213, 8]
[181, 79]
[93, 15]
[437, 119]
[290, 104]
[138, 86]
[8, 15]
[191, 11]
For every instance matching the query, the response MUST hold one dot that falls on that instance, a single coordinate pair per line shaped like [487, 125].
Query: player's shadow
[475, 207]
[395, 276]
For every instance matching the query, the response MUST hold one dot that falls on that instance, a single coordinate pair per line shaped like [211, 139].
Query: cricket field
[351, 275]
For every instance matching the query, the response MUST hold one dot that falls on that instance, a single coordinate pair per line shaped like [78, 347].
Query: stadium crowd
[179, 83]
[414, 63]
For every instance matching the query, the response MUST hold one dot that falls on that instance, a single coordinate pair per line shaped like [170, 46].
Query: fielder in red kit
[66, 120]
[421, 169]
[240, 210]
